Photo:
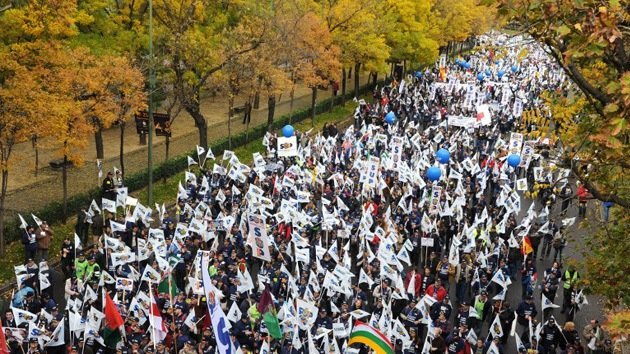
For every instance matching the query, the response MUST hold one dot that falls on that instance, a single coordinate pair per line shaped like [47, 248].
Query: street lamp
[151, 89]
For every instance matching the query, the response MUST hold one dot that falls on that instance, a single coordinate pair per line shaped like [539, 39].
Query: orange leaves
[66, 93]
[617, 323]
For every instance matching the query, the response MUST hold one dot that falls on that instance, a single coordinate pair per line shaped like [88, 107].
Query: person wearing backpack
[29, 240]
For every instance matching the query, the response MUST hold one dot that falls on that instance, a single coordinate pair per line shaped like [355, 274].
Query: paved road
[572, 251]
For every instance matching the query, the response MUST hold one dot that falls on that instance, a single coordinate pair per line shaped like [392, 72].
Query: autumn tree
[589, 40]
[193, 35]
[22, 106]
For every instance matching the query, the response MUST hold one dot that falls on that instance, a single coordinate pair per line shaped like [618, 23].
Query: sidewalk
[27, 193]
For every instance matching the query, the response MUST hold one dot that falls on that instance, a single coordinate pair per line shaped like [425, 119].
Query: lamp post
[151, 89]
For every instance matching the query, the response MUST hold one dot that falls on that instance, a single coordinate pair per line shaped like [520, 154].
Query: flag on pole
[113, 322]
[77, 242]
[4, 349]
[371, 337]
[495, 328]
[220, 324]
[23, 224]
[527, 247]
[266, 308]
[546, 303]
[191, 161]
[37, 220]
[158, 329]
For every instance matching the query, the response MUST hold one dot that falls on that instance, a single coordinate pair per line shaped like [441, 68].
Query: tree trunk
[98, 139]
[200, 123]
[3, 194]
[167, 144]
[375, 79]
[350, 73]
[271, 110]
[343, 86]
[230, 107]
[257, 100]
[332, 99]
[313, 99]
[122, 148]
[248, 112]
[357, 67]
[391, 70]
[64, 181]
[292, 96]
[35, 146]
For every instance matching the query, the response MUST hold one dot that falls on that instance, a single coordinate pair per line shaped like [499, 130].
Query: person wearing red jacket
[583, 196]
[417, 278]
[436, 290]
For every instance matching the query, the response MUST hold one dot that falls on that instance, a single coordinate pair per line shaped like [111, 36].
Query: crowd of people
[286, 254]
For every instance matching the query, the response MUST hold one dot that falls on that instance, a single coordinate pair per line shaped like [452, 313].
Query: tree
[194, 36]
[22, 106]
[589, 40]
[124, 88]
[360, 37]
[310, 53]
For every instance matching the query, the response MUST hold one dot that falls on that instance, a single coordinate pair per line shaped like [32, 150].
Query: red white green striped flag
[365, 334]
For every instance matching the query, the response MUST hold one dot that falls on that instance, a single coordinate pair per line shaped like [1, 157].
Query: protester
[419, 201]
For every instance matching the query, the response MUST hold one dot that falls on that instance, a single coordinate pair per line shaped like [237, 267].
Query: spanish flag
[526, 247]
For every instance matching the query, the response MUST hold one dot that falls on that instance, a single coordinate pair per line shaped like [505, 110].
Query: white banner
[287, 147]
[258, 237]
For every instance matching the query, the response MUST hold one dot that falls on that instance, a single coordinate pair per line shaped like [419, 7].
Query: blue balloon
[514, 160]
[418, 74]
[488, 73]
[390, 117]
[496, 62]
[514, 68]
[443, 156]
[480, 77]
[500, 73]
[288, 131]
[433, 173]
[466, 65]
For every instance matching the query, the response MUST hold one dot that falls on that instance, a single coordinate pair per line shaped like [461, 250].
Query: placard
[287, 147]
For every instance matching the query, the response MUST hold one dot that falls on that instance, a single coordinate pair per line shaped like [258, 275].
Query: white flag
[77, 242]
[57, 336]
[108, 205]
[23, 224]
[495, 328]
[546, 303]
[209, 154]
[37, 220]
[200, 150]
[117, 227]
[235, 313]
[151, 275]
[191, 161]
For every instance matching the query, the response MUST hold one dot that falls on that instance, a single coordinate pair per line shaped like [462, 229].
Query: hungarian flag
[4, 349]
[113, 321]
[266, 308]
[527, 247]
[158, 330]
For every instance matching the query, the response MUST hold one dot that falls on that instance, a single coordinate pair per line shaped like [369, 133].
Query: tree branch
[597, 192]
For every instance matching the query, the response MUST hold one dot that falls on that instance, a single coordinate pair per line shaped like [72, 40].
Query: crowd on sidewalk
[412, 223]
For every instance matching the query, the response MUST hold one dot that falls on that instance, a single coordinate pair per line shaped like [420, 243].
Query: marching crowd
[412, 221]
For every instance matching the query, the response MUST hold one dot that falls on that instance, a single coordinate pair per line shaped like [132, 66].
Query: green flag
[272, 324]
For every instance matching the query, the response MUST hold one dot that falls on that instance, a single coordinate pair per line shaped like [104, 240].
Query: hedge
[54, 210]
